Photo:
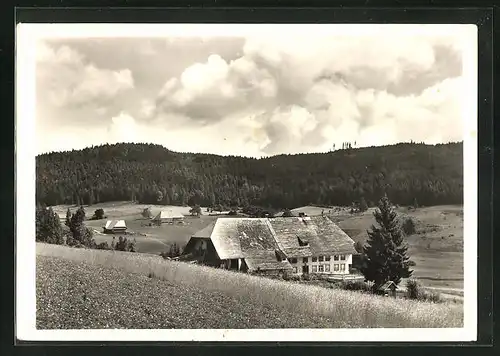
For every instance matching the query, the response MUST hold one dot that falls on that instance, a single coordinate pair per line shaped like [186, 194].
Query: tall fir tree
[68, 218]
[385, 254]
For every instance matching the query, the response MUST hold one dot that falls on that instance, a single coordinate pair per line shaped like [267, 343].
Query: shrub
[174, 251]
[433, 297]
[408, 226]
[356, 286]
[287, 213]
[103, 246]
[413, 289]
[99, 214]
[123, 244]
[195, 210]
[146, 213]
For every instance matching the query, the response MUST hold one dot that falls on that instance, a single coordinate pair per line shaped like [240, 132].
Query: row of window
[325, 268]
[319, 259]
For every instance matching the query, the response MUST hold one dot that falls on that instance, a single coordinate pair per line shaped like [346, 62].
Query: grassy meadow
[83, 288]
[436, 248]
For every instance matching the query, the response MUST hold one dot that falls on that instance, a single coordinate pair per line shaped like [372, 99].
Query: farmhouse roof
[288, 231]
[329, 237]
[167, 214]
[306, 236]
[206, 232]
[112, 224]
[242, 237]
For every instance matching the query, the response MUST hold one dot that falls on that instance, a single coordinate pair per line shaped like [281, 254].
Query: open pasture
[244, 296]
[436, 248]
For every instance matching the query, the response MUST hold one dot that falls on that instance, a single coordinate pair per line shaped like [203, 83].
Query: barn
[242, 244]
[168, 216]
[296, 245]
[115, 227]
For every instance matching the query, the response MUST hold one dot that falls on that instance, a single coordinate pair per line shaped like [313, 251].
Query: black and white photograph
[246, 182]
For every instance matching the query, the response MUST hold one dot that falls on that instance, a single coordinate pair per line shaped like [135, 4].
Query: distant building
[296, 245]
[115, 227]
[167, 216]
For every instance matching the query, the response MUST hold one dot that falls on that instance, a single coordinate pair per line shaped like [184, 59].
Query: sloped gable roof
[288, 231]
[111, 224]
[167, 214]
[330, 238]
[242, 237]
[206, 232]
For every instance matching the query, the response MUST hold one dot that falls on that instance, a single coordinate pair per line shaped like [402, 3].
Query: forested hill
[152, 174]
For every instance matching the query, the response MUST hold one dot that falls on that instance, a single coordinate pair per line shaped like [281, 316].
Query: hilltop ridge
[148, 173]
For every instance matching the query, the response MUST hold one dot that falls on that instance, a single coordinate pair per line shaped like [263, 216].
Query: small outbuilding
[389, 288]
[115, 227]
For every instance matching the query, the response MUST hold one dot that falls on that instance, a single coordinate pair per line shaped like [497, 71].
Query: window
[327, 258]
[320, 258]
[305, 259]
[294, 269]
[302, 242]
[342, 267]
[327, 268]
[293, 260]
[342, 257]
[320, 268]
[336, 267]
[336, 257]
[315, 259]
[315, 269]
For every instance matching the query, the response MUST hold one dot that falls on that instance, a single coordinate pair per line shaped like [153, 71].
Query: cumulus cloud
[68, 79]
[304, 94]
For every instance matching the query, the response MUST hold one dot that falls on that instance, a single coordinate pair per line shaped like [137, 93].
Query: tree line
[151, 174]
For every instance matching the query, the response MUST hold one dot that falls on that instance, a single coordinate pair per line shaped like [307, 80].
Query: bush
[123, 244]
[356, 286]
[413, 289]
[287, 213]
[146, 213]
[409, 227]
[99, 214]
[174, 251]
[195, 210]
[103, 246]
[433, 297]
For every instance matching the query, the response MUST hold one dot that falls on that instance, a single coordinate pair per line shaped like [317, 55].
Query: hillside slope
[92, 284]
[153, 174]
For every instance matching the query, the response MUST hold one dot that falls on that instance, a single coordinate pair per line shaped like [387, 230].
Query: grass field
[436, 248]
[97, 289]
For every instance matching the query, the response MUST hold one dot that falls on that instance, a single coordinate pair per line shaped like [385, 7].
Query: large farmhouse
[294, 244]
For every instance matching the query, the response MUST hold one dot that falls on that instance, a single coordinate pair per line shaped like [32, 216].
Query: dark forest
[152, 174]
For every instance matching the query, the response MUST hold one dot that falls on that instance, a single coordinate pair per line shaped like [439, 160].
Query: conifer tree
[363, 206]
[68, 218]
[385, 252]
[48, 226]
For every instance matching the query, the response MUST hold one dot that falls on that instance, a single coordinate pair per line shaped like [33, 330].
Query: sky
[250, 94]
